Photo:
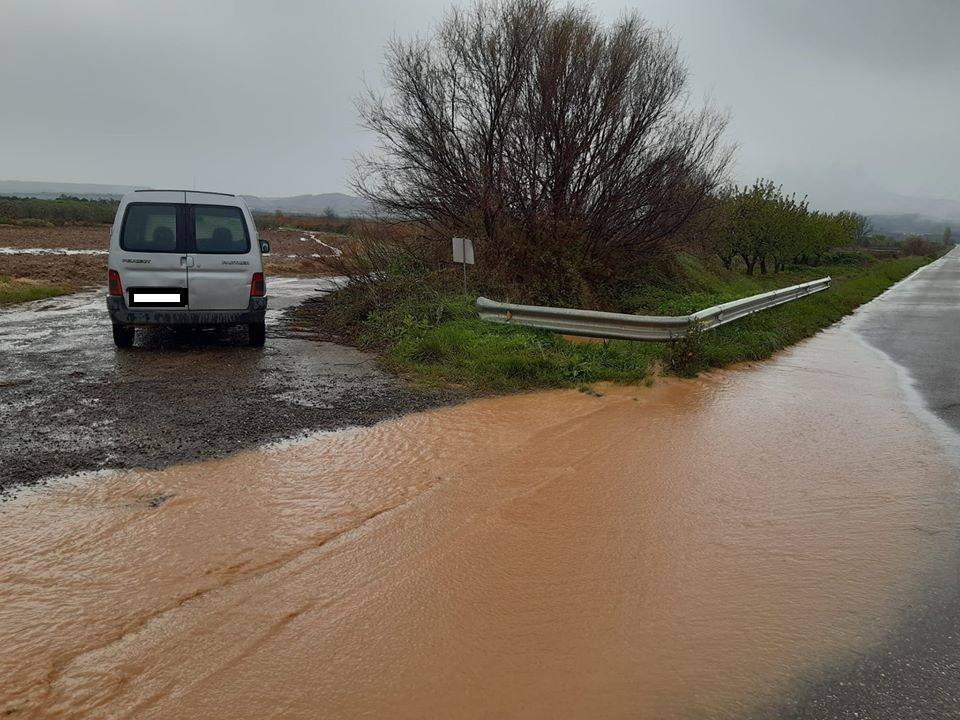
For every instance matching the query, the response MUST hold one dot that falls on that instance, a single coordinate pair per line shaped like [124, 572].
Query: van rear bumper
[123, 315]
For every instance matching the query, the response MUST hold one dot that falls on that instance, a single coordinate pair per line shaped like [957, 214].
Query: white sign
[463, 251]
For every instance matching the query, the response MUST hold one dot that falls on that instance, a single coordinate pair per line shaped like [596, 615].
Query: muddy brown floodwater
[684, 551]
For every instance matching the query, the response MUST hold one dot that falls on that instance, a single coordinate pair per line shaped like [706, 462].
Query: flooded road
[70, 401]
[698, 549]
[915, 671]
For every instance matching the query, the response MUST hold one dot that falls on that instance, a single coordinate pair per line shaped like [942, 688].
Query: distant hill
[90, 191]
[341, 204]
[910, 224]
[901, 215]
[935, 210]
[338, 203]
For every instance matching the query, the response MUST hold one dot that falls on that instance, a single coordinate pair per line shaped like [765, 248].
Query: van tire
[123, 335]
[257, 333]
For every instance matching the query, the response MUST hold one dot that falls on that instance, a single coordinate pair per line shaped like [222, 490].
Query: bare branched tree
[861, 227]
[560, 145]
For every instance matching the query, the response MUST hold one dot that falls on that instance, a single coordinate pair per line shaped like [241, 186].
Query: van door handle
[186, 261]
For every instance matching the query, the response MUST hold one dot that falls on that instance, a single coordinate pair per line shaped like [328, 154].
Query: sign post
[463, 254]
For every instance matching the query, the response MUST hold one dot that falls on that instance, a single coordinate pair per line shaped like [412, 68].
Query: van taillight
[116, 289]
[258, 288]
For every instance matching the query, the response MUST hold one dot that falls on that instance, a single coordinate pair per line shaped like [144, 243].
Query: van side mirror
[264, 247]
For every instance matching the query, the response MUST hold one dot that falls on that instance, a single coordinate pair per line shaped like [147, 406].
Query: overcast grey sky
[851, 102]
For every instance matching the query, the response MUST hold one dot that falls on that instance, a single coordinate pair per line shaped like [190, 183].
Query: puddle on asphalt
[686, 550]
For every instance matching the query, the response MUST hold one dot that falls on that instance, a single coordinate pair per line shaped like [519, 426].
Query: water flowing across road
[696, 549]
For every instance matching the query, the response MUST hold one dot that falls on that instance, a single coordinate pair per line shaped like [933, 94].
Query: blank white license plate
[155, 298]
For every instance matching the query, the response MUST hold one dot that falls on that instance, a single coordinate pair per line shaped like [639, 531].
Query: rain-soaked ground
[70, 401]
[699, 549]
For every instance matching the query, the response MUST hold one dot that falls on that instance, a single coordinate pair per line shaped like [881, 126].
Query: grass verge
[19, 290]
[435, 338]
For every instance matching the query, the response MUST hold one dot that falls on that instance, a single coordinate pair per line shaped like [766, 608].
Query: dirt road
[70, 401]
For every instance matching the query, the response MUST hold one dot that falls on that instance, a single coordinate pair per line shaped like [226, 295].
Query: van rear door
[222, 257]
[150, 255]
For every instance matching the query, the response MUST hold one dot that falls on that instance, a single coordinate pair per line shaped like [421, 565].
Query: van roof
[198, 192]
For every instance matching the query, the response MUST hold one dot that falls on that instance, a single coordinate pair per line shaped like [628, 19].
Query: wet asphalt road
[916, 673]
[70, 401]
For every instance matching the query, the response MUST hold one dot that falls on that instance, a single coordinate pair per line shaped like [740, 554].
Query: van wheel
[258, 333]
[123, 335]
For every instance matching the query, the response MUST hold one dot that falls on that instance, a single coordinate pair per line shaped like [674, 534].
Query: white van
[181, 257]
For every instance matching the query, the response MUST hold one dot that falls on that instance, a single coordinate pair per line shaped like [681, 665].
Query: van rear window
[149, 227]
[220, 229]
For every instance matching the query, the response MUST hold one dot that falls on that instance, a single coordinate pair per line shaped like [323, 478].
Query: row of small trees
[61, 211]
[768, 229]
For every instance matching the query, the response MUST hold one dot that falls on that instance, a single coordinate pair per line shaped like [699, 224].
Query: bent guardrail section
[622, 326]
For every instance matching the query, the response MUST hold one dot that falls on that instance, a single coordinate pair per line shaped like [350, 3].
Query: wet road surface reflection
[687, 550]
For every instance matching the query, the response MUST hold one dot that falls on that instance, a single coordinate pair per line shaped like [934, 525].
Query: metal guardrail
[621, 326]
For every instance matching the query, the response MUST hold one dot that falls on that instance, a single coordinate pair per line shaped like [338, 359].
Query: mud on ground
[79, 237]
[293, 253]
[70, 401]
